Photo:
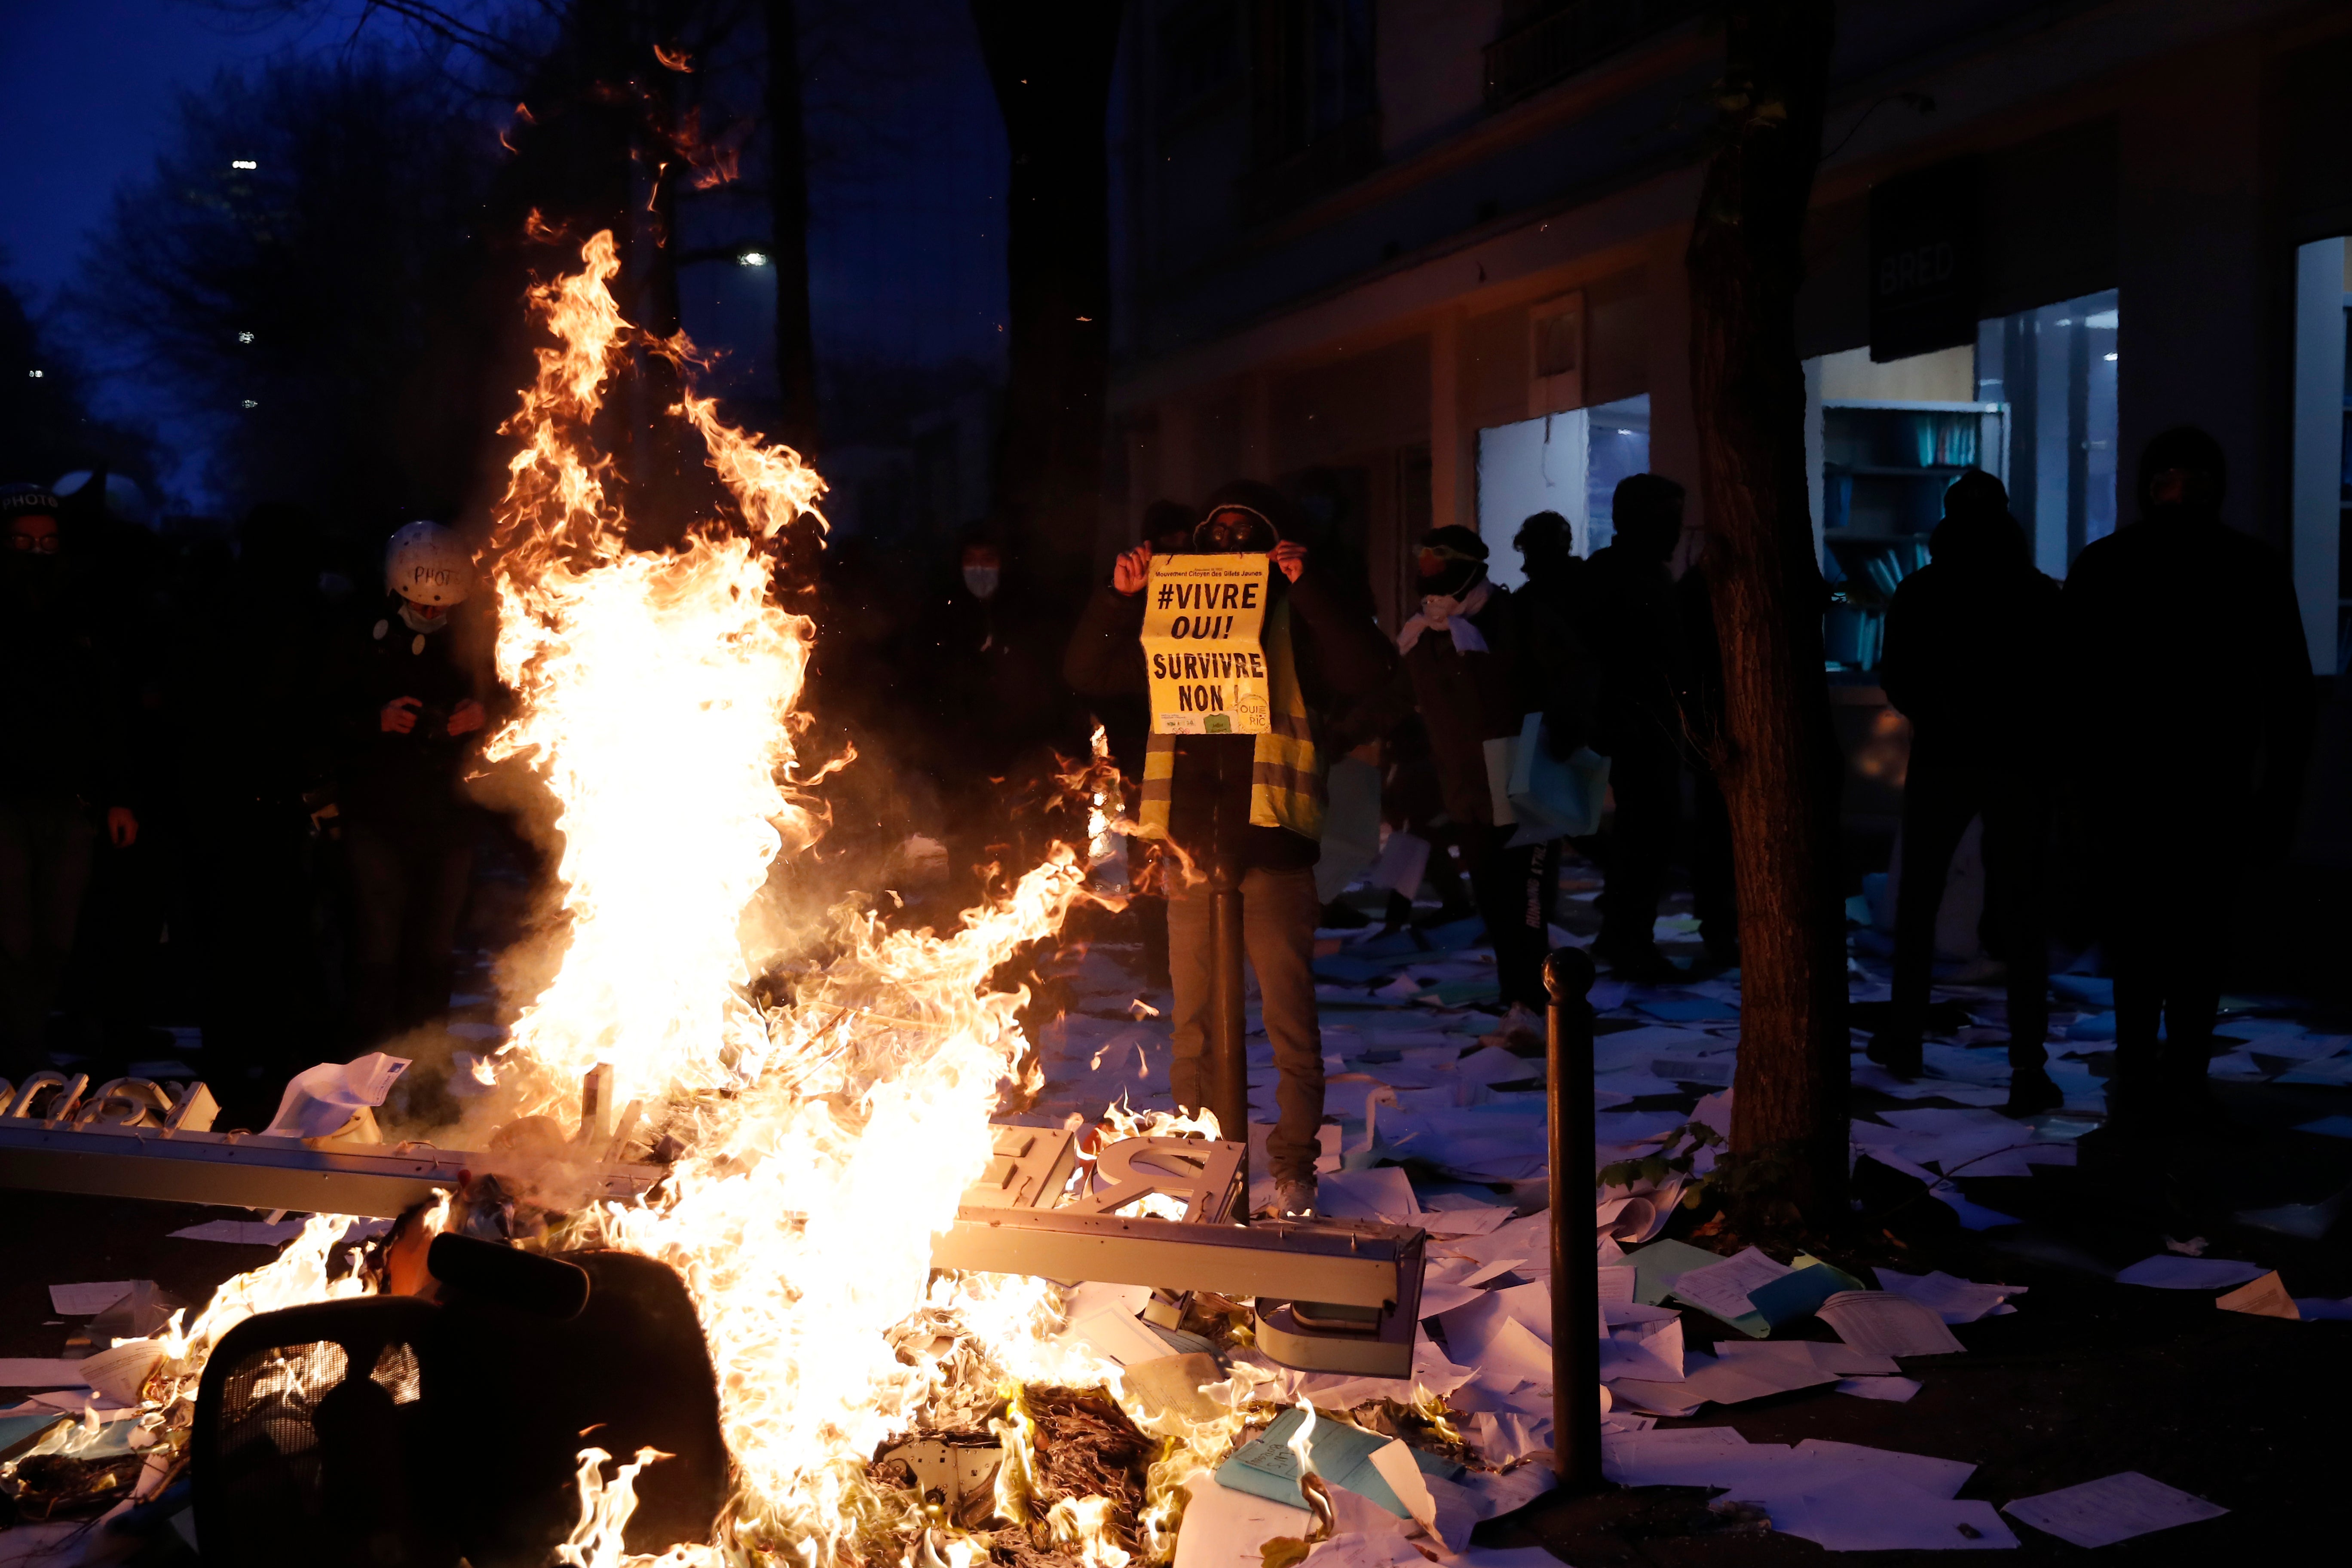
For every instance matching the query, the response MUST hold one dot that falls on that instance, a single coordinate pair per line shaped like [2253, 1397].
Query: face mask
[416, 623]
[982, 581]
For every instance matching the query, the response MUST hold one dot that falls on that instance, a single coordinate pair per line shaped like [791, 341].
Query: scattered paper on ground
[2102, 1512]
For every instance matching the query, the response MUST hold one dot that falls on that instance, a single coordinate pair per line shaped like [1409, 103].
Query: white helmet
[427, 564]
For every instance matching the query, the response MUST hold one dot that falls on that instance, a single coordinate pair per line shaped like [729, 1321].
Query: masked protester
[1630, 614]
[1462, 652]
[1254, 803]
[978, 664]
[65, 759]
[414, 712]
[1970, 639]
[2193, 688]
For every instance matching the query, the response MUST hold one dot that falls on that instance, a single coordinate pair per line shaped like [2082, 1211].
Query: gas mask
[982, 581]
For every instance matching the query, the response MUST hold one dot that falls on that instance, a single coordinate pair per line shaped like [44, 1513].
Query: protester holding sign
[1234, 768]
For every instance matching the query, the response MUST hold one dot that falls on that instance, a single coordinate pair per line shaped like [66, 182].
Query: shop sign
[1923, 261]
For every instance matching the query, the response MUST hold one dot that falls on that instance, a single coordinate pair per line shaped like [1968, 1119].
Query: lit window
[249, 403]
[34, 373]
[244, 337]
[2111, 359]
[753, 258]
[243, 163]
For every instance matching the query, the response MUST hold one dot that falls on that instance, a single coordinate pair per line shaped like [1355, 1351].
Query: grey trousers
[1279, 913]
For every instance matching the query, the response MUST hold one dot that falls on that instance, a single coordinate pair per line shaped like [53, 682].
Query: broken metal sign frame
[1365, 1276]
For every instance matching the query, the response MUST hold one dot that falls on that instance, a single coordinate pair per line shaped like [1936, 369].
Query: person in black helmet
[1970, 639]
[2193, 681]
[413, 710]
[1253, 802]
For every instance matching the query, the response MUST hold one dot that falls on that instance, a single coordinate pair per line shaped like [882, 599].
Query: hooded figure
[1252, 805]
[1971, 641]
[2187, 663]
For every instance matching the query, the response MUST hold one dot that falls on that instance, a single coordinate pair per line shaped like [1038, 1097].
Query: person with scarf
[1253, 803]
[1971, 639]
[1463, 653]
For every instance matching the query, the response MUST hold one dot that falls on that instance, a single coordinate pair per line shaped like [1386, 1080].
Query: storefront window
[2032, 403]
[1569, 463]
[2056, 370]
[2322, 536]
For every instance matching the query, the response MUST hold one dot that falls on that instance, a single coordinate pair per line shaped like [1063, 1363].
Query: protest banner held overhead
[1201, 620]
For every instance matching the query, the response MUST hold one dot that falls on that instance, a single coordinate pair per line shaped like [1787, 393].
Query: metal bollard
[1575, 1260]
[1228, 1064]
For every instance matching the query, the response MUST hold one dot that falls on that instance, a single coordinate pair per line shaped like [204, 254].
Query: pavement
[1433, 1123]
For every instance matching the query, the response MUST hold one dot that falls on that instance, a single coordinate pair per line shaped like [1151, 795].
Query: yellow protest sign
[1201, 617]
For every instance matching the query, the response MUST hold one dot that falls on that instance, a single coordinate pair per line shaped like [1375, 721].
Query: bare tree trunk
[788, 230]
[1777, 756]
[1050, 62]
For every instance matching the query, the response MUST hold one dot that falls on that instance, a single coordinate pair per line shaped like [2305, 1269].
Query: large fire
[657, 701]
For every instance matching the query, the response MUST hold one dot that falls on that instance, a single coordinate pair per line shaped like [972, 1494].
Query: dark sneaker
[2031, 1092]
[1295, 1199]
[1897, 1054]
[1643, 964]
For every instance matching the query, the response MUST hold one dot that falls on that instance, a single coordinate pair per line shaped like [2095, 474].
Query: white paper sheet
[1722, 1288]
[92, 1297]
[1867, 1513]
[39, 1372]
[2115, 1508]
[1104, 1315]
[1651, 1352]
[1886, 1324]
[2168, 1272]
[243, 1232]
[1937, 1478]
[1227, 1528]
[1456, 1220]
[1897, 1389]
[1955, 1300]
[1383, 1192]
[120, 1373]
[318, 1100]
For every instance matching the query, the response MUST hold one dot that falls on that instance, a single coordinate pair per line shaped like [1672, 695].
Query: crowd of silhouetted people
[232, 789]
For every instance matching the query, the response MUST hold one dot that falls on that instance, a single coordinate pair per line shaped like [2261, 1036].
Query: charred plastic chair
[395, 1432]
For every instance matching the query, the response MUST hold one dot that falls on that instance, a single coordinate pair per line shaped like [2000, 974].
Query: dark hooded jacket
[1972, 648]
[2191, 677]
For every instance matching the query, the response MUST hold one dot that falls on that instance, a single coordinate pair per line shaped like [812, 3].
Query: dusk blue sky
[907, 182]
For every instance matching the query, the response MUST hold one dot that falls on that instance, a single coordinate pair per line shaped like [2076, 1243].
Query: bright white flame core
[657, 693]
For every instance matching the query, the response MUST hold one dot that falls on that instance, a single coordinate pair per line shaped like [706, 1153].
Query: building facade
[1424, 260]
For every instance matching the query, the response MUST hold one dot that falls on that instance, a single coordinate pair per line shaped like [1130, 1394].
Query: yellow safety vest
[1286, 788]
